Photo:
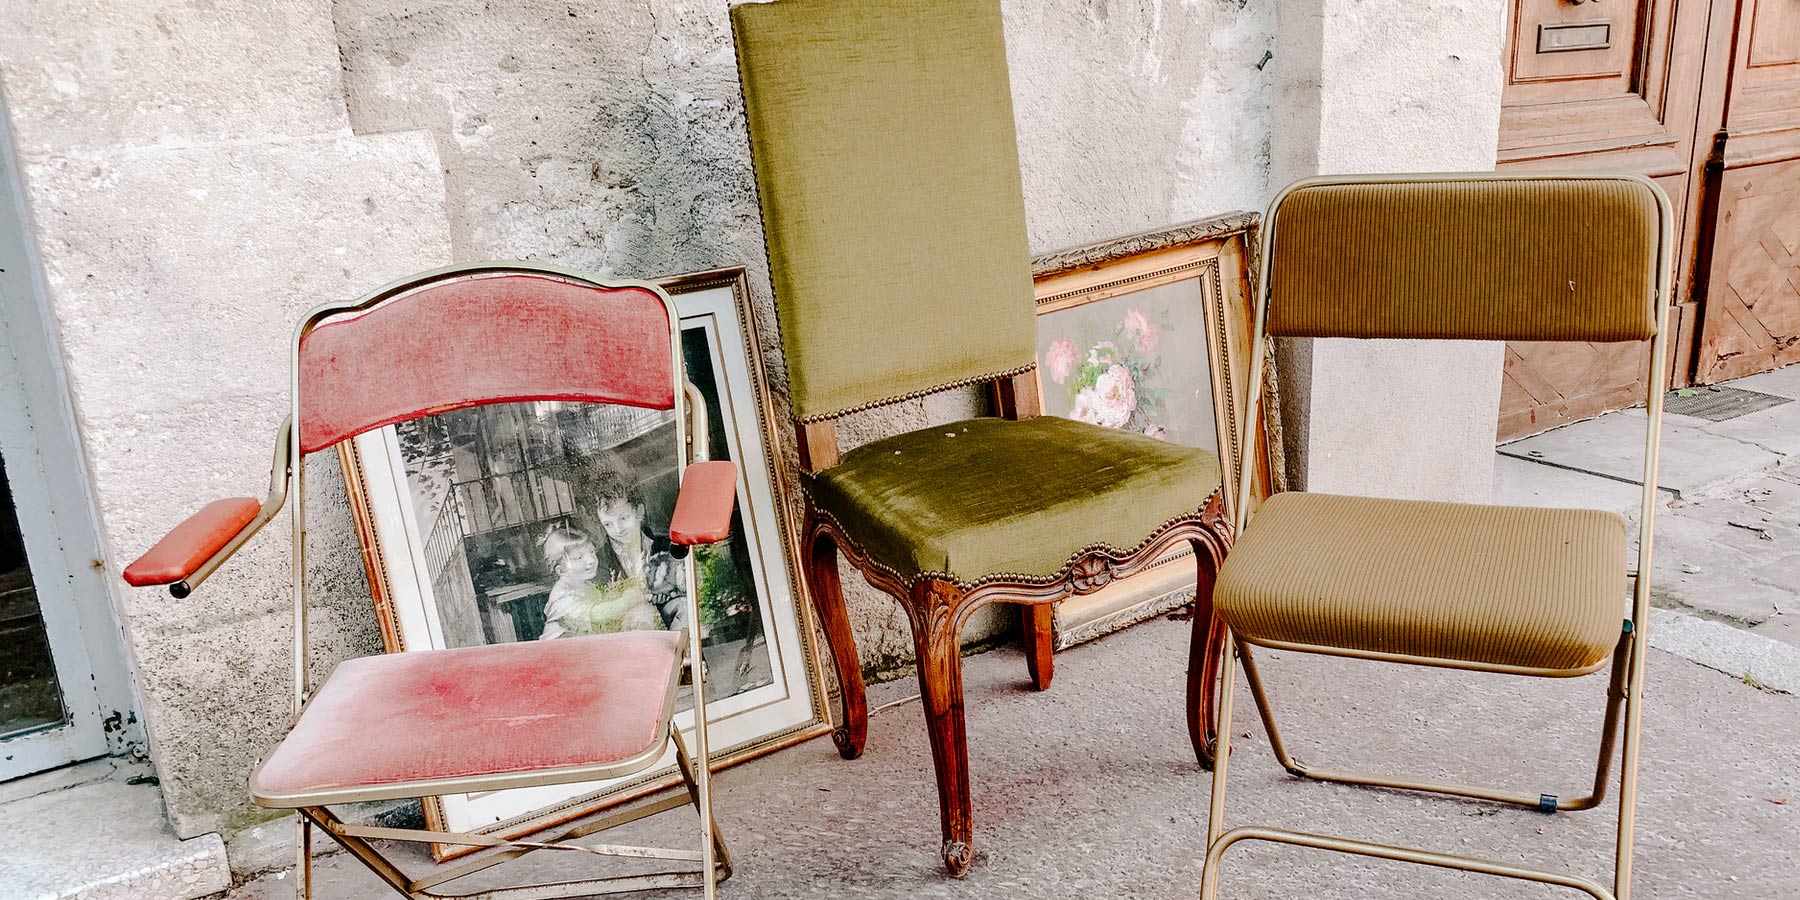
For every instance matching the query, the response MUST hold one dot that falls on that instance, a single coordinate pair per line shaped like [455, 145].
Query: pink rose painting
[1111, 386]
[1138, 326]
[1060, 359]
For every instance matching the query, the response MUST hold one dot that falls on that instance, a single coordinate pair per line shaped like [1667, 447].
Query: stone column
[1391, 87]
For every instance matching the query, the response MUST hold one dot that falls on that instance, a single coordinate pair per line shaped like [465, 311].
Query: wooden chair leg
[828, 601]
[1035, 621]
[935, 623]
[1204, 653]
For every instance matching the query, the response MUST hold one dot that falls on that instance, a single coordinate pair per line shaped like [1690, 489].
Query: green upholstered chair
[1507, 590]
[888, 174]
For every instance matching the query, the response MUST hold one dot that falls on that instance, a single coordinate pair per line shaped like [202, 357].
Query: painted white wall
[1390, 87]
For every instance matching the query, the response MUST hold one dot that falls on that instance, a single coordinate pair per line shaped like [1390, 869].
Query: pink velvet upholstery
[703, 508]
[483, 339]
[386, 722]
[193, 542]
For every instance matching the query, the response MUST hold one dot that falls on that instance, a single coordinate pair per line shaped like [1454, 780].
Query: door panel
[1751, 317]
[1597, 86]
[1752, 320]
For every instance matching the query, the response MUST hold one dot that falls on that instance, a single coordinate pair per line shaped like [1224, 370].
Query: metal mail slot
[1564, 36]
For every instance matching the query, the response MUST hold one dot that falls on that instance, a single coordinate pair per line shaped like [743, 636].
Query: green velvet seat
[986, 498]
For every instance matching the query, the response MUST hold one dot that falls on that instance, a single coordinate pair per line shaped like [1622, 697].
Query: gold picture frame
[1192, 319]
[719, 332]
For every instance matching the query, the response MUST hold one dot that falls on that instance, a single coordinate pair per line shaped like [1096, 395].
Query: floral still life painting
[1135, 362]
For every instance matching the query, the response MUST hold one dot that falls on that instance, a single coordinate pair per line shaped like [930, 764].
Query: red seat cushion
[425, 723]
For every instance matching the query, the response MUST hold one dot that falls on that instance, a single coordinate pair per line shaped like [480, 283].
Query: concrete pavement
[1089, 790]
[1727, 561]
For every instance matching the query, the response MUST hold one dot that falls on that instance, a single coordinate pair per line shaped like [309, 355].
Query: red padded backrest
[483, 338]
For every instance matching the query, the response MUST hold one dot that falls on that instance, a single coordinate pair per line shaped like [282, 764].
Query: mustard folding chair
[486, 718]
[1508, 590]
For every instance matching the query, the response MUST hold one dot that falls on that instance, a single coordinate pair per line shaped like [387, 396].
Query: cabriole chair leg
[828, 601]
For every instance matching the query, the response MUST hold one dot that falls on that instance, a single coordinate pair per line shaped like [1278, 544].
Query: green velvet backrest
[888, 173]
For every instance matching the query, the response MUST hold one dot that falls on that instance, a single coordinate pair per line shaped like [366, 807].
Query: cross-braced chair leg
[1623, 692]
[356, 840]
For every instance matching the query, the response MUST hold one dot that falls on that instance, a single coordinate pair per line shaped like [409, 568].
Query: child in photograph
[637, 551]
[578, 606]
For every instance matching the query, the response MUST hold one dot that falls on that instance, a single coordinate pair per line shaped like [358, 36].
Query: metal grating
[1717, 403]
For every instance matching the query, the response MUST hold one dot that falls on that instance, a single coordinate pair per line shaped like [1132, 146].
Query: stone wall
[195, 186]
[200, 174]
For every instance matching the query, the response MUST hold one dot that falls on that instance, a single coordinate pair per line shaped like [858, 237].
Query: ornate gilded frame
[1215, 252]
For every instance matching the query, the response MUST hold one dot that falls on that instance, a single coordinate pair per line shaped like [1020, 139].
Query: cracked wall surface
[199, 174]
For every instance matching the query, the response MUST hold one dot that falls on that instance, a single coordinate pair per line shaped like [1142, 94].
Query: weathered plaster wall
[200, 174]
[1395, 87]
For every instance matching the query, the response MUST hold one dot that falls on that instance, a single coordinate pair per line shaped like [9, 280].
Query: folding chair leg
[1539, 801]
[359, 848]
[1215, 817]
[686, 762]
[1624, 690]
[1628, 762]
[303, 870]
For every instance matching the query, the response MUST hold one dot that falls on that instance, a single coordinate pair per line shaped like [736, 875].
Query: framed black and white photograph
[536, 521]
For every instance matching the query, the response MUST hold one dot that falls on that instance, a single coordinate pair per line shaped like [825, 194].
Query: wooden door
[1600, 85]
[1750, 253]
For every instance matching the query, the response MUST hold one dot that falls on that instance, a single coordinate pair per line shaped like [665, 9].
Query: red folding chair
[493, 717]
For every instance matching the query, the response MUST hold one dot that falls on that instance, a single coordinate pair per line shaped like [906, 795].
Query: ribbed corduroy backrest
[888, 172]
[1517, 259]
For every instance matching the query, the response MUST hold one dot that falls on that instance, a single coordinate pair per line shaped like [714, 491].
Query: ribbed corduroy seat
[1495, 585]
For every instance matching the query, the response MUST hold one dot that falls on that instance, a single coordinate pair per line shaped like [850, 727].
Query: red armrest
[703, 508]
[193, 542]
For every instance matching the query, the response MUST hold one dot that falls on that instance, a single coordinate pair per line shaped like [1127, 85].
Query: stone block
[1133, 117]
[92, 76]
[193, 297]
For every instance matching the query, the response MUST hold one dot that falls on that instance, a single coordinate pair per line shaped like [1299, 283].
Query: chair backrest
[474, 335]
[1557, 258]
[469, 336]
[1480, 256]
[888, 172]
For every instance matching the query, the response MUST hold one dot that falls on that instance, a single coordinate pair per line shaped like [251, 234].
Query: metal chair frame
[1627, 683]
[289, 479]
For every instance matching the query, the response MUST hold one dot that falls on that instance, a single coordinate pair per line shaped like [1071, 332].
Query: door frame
[47, 472]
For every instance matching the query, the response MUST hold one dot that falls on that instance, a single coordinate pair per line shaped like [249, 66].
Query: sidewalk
[1727, 572]
[1089, 790]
